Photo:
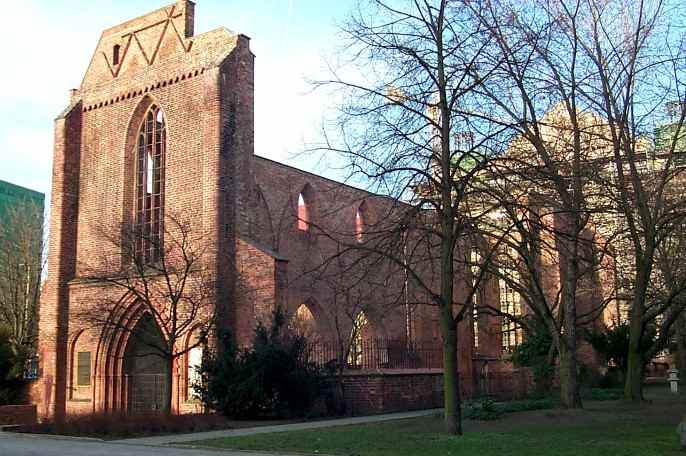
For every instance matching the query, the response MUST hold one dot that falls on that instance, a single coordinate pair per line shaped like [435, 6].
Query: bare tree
[361, 287]
[636, 81]
[167, 276]
[21, 270]
[680, 345]
[617, 62]
[519, 245]
[534, 95]
[403, 73]
[667, 294]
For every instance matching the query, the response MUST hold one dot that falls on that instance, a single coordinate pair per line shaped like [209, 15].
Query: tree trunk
[569, 379]
[569, 382]
[681, 345]
[633, 386]
[168, 381]
[451, 377]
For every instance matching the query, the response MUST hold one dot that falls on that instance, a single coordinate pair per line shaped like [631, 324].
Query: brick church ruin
[163, 123]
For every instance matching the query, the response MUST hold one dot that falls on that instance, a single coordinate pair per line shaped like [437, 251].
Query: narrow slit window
[83, 369]
[475, 270]
[360, 221]
[303, 214]
[115, 54]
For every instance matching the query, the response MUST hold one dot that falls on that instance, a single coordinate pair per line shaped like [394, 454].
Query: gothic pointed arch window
[360, 222]
[359, 335]
[151, 151]
[303, 213]
[303, 322]
[305, 208]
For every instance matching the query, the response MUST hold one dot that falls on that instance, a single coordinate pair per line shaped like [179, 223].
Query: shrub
[487, 409]
[613, 344]
[612, 378]
[12, 386]
[603, 394]
[537, 352]
[273, 377]
[527, 405]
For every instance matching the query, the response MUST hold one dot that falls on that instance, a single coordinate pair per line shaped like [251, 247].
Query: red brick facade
[247, 205]
[17, 414]
[204, 86]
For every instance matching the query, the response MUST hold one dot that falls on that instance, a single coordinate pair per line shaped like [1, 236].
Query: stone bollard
[673, 379]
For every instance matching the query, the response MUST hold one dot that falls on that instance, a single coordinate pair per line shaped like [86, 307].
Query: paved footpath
[15, 444]
[184, 438]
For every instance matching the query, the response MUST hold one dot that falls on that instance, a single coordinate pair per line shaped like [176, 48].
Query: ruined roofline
[332, 181]
[130, 23]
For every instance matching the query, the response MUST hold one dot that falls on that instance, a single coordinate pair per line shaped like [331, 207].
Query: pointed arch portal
[144, 367]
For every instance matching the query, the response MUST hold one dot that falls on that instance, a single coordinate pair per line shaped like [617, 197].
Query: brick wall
[385, 392]
[392, 391]
[17, 414]
[161, 63]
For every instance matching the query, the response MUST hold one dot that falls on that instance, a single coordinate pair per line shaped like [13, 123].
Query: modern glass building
[15, 196]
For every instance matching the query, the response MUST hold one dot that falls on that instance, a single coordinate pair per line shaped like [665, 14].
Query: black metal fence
[378, 353]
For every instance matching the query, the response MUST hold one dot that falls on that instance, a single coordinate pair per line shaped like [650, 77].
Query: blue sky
[47, 45]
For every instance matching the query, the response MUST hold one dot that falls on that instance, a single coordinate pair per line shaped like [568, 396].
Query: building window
[83, 369]
[357, 339]
[475, 325]
[360, 222]
[475, 261]
[194, 370]
[305, 208]
[115, 54]
[303, 214]
[150, 186]
[510, 304]
[303, 322]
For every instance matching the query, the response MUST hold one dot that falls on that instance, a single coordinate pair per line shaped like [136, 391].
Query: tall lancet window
[303, 214]
[150, 186]
[360, 221]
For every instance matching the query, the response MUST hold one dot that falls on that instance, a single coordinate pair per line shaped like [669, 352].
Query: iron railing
[378, 353]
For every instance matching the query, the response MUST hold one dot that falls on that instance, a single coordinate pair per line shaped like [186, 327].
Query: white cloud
[28, 164]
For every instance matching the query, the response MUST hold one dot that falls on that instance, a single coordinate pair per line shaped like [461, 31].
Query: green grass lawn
[607, 428]
[407, 438]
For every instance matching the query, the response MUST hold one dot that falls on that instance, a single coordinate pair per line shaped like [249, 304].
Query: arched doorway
[144, 367]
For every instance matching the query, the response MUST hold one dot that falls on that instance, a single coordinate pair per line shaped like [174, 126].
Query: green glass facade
[15, 196]
[664, 138]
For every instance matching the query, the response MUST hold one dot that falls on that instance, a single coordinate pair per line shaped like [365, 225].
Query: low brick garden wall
[17, 414]
[393, 391]
[369, 392]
